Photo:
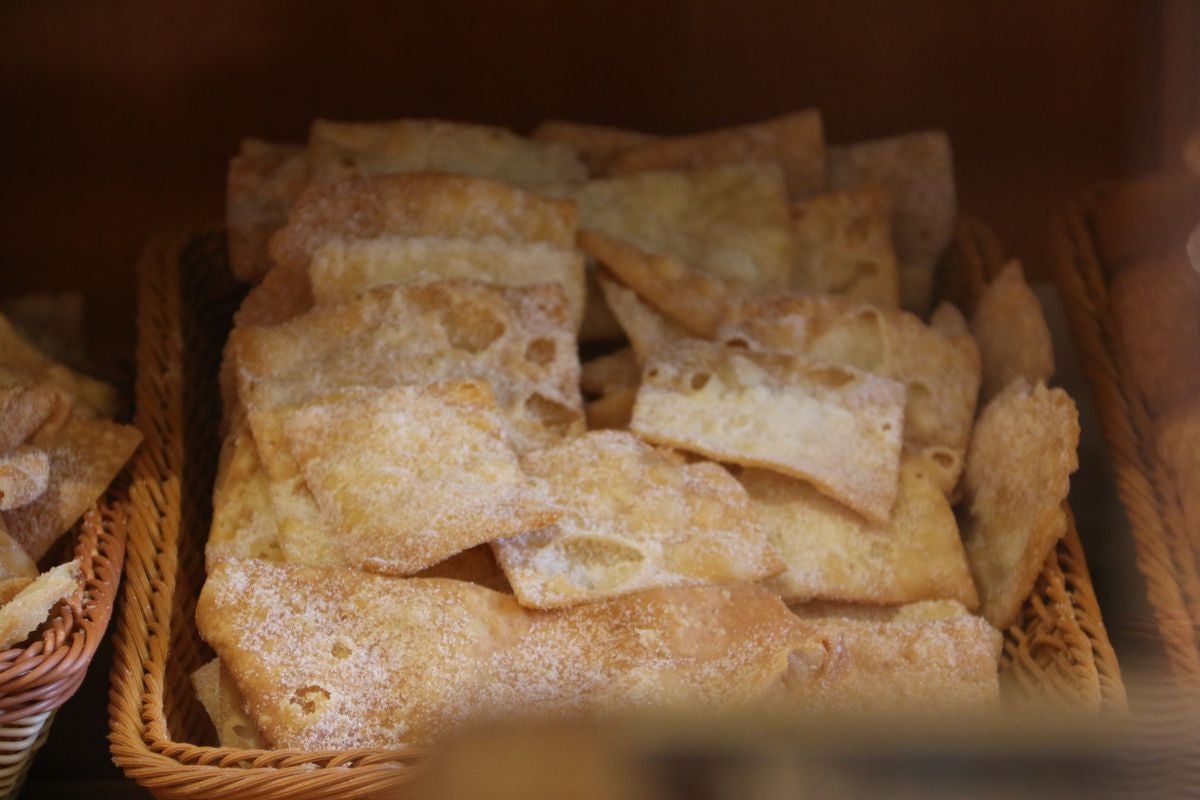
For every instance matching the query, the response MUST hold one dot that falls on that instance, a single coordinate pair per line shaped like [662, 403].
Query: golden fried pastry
[332, 658]
[917, 169]
[634, 517]
[833, 554]
[794, 141]
[844, 246]
[835, 427]
[1016, 479]
[1013, 337]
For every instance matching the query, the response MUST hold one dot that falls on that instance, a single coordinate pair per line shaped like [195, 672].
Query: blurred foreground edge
[1153, 752]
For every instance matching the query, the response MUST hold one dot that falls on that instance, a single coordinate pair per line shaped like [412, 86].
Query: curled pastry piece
[1015, 482]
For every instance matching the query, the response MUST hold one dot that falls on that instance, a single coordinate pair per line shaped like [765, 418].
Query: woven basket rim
[139, 736]
[43, 675]
[1143, 485]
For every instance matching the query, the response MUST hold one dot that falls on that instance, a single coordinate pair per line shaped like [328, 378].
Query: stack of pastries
[428, 511]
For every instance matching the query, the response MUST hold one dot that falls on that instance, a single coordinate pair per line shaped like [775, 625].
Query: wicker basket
[1164, 554]
[1057, 653]
[36, 680]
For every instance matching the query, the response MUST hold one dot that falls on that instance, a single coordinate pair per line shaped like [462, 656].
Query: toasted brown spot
[471, 327]
[551, 413]
[309, 698]
[540, 351]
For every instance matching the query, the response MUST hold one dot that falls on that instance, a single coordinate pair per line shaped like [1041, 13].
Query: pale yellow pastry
[332, 658]
[264, 180]
[85, 455]
[408, 476]
[14, 562]
[418, 204]
[21, 362]
[834, 554]
[340, 150]
[609, 373]
[837, 428]
[595, 144]
[27, 408]
[31, 606]
[917, 660]
[844, 246]
[634, 517]
[941, 372]
[341, 269]
[730, 222]
[612, 411]
[244, 523]
[646, 329]
[519, 339]
[1013, 337]
[917, 169]
[24, 476]
[695, 301]
[1016, 480]
[794, 141]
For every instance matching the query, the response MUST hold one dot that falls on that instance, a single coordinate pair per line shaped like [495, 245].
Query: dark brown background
[119, 116]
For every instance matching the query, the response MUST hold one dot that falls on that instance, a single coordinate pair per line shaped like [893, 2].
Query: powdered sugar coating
[835, 554]
[85, 455]
[922, 658]
[24, 476]
[634, 517]
[418, 204]
[729, 221]
[341, 269]
[519, 339]
[411, 475]
[836, 427]
[244, 523]
[330, 658]
[940, 371]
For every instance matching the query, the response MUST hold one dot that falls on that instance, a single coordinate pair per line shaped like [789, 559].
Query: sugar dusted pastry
[835, 427]
[85, 455]
[408, 476]
[419, 204]
[1016, 479]
[834, 554]
[634, 517]
[331, 658]
[793, 141]
[729, 222]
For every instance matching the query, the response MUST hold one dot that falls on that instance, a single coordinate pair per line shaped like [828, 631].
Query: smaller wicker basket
[37, 679]
[1166, 556]
[1056, 654]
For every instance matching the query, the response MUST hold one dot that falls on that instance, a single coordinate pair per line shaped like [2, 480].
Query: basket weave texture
[1057, 653]
[1166, 556]
[37, 679]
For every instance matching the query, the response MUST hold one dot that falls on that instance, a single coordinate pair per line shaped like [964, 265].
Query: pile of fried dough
[419, 521]
[59, 451]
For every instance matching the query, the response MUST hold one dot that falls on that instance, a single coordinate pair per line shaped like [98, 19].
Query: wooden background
[119, 118]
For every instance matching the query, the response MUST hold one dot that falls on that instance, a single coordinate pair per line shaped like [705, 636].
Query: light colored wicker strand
[1084, 291]
[19, 743]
